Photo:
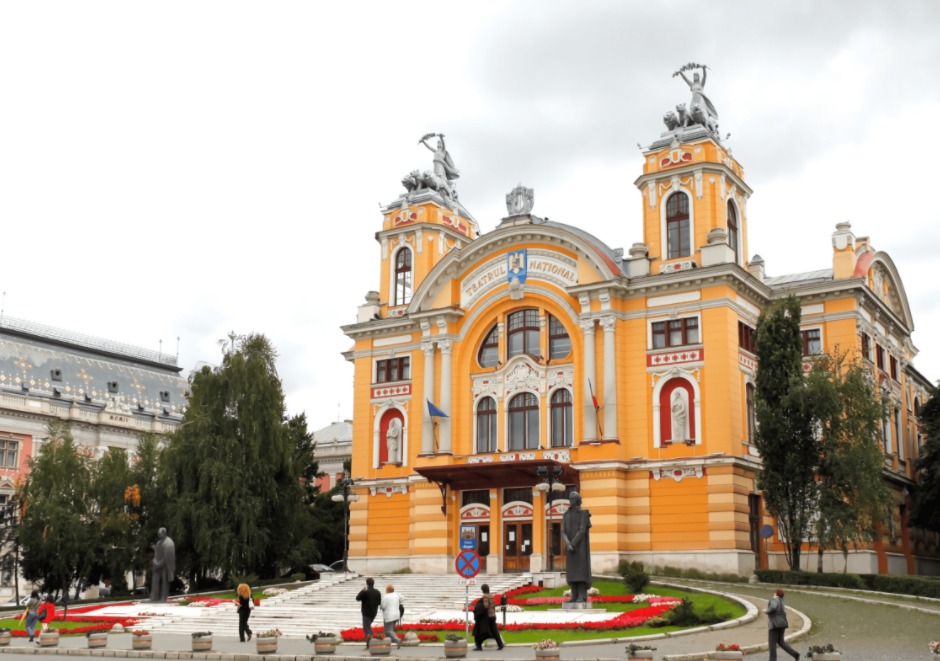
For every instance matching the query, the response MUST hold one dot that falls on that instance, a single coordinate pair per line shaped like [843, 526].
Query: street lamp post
[551, 483]
[345, 498]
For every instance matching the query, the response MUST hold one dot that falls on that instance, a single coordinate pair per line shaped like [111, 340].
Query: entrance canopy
[496, 474]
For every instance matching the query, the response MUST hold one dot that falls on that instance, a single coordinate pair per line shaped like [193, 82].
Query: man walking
[370, 599]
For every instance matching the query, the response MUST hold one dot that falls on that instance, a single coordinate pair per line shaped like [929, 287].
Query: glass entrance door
[517, 546]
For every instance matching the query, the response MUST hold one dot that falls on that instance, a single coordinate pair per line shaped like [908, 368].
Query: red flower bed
[621, 621]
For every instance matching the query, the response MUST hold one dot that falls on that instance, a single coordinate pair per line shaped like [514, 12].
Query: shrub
[685, 615]
[920, 586]
[634, 575]
[295, 577]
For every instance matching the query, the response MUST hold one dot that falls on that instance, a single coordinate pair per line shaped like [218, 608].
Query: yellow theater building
[563, 365]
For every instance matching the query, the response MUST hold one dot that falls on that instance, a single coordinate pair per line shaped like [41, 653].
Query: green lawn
[14, 624]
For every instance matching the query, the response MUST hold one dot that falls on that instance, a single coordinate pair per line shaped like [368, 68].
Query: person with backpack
[777, 626]
[484, 620]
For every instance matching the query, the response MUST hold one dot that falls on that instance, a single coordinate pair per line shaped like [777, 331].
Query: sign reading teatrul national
[468, 564]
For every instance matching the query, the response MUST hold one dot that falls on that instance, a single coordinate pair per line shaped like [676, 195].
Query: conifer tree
[785, 435]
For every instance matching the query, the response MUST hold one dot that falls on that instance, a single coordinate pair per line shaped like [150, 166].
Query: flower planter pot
[325, 645]
[49, 639]
[5, 638]
[831, 656]
[641, 654]
[266, 645]
[548, 655]
[728, 656]
[97, 639]
[455, 649]
[380, 646]
[142, 642]
[202, 643]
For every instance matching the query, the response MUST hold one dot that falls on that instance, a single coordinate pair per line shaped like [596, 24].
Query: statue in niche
[393, 441]
[575, 535]
[680, 416]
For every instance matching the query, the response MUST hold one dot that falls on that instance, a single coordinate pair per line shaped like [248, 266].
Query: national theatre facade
[627, 377]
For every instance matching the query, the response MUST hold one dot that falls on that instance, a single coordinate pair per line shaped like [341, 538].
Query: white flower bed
[273, 592]
[592, 592]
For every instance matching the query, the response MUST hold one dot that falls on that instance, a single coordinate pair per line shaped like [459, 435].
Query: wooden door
[483, 544]
[517, 546]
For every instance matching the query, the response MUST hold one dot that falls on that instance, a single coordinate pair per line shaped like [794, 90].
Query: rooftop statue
[700, 111]
[441, 179]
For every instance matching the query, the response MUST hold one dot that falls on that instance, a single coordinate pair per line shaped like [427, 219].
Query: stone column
[590, 377]
[610, 378]
[427, 431]
[446, 406]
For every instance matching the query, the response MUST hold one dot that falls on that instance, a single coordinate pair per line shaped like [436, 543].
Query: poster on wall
[468, 537]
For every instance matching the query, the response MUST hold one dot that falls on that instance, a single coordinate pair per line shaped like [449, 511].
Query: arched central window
[402, 277]
[562, 429]
[489, 350]
[486, 425]
[677, 226]
[733, 229]
[523, 333]
[523, 422]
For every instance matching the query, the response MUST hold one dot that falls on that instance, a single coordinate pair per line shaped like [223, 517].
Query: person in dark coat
[484, 620]
[371, 599]
[577, 540]
[777, 625]
[245, 604]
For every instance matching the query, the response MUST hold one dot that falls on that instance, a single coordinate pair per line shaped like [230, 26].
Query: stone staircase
[330, 604]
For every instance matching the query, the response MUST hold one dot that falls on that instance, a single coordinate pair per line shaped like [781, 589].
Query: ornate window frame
[676, 189]
[393, 294]
[661, 379]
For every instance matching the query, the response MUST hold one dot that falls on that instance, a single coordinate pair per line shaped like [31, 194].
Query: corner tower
[694, 195]
[419, 229]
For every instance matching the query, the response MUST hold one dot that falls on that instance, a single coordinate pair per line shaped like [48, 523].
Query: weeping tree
[113, 521]
[853, 495]
[230, 473]
[57, 531]
[786, 433]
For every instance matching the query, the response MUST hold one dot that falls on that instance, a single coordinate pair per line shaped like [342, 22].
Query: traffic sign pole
[467, 565]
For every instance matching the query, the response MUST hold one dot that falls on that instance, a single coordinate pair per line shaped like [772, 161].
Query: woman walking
[777, 625]
[245, 604]
[392, 604]
[31, 614]
[46, 612]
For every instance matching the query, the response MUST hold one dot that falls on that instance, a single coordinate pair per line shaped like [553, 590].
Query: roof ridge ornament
[520, 200]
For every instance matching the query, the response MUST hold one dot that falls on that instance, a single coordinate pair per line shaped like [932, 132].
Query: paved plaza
[864, 626]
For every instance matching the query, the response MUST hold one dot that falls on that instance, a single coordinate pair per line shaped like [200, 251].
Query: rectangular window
[675, 332]
[475, 497]
[393, 369]
[8, 453]
[880, 357]
[812, 342]
[894, 368]
[746, 337]
[866, 346]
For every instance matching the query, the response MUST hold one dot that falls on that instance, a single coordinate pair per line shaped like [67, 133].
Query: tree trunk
[819, 559]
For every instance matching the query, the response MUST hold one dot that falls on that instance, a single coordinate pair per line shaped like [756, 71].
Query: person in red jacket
[46, 612]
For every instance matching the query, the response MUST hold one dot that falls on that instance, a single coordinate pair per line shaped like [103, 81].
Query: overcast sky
[185, 169]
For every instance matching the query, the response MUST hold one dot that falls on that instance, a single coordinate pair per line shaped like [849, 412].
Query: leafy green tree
[113, 522]
[56, 535]
[925, 510]
[853, 495]
[786, 436]
[230, 473]
[146, 501]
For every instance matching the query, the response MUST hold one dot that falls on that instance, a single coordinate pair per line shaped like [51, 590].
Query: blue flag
[435, 412]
